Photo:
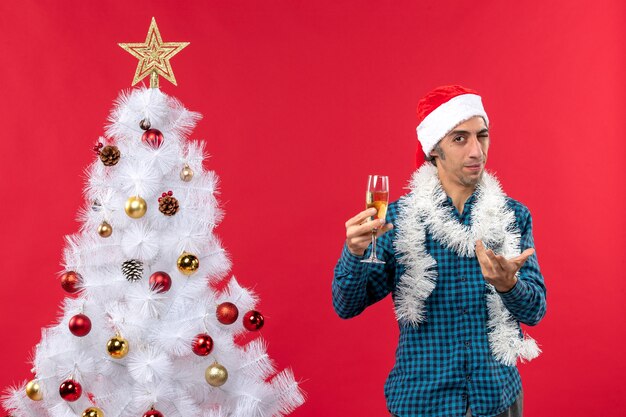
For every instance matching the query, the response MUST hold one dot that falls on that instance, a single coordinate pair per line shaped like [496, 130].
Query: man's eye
[459, 139]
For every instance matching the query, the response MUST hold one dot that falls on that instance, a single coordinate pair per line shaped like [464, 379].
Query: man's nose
[476, 151]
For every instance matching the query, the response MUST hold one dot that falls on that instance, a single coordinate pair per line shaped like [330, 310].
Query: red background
[301, 101]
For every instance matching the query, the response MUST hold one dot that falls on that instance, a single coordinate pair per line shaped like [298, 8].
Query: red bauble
[70, 390]
[227, 313]
[70, 282]
[160, 282]
[202, 344]
[253, 320]
[80, 325]
[152, 137]
[153, 413]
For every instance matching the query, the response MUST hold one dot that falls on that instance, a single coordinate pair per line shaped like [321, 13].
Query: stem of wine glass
[373, 244]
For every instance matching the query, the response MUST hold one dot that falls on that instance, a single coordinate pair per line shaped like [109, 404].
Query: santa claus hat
[442, 110]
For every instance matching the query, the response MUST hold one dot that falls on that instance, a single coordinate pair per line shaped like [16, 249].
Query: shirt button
[469, 378]
[468, 343]
[463, 279]
[464, 311]
[464, 397]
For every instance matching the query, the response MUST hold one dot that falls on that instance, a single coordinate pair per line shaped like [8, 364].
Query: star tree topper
[154, 56]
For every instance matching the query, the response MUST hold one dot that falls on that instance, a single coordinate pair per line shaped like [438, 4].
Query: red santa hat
[442, 110]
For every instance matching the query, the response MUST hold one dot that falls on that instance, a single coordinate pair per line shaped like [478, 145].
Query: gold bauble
[93, 412]
[136, 207]
[117, 347]
[105, 229]
[216, 375]
[187, 263]
[186, 174]
[33, 390]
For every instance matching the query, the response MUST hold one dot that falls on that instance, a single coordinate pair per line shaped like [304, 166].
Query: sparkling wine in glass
[377, 196]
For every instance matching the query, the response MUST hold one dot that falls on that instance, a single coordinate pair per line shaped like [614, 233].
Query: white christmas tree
[145, 332]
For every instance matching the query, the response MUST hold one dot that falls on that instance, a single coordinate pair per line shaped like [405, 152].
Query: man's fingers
[365, 228]
[366, 236]
[384, 229]
[360, 240]
[358, 219]
[510, 265]
[502, 262]
[483, 259]
[495, 263]
[521, 259]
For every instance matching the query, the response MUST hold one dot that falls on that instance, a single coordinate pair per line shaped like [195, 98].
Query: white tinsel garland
[492, 222]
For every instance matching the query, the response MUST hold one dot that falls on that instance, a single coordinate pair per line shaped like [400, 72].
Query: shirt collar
[470, 201]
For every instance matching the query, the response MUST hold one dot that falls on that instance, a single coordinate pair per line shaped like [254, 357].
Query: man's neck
[457, 192]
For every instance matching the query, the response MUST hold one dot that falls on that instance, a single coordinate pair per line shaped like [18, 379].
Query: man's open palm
[497, 270]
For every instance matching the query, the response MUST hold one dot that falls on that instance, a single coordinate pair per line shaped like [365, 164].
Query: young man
[461, 268]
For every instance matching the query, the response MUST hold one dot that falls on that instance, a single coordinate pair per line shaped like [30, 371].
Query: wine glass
[377, 196]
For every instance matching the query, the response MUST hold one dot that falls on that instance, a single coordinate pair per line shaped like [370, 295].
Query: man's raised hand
[359, 231]
[497, 270]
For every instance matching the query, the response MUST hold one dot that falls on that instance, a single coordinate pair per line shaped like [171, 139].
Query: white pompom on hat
[442, 110]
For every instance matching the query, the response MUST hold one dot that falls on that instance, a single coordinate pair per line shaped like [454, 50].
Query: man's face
[462, 153]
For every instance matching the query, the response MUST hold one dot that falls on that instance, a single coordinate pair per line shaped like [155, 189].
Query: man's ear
[437, 151]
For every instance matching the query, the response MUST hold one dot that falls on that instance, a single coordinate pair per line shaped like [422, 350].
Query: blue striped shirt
[445, 364]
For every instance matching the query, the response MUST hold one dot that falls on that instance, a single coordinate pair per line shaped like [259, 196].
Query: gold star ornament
[154, 56]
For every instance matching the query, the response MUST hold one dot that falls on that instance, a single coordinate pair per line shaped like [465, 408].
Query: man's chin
[471, 180]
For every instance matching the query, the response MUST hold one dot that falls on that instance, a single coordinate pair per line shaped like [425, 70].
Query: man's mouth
[475, 167]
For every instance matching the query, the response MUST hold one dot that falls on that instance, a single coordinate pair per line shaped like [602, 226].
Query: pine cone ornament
[132, 270]
[168, 204]
[110, 155]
